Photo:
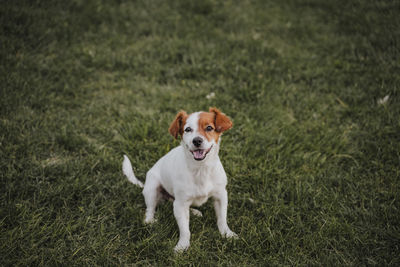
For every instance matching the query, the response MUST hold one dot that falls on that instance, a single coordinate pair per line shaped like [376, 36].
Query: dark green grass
[313, 160]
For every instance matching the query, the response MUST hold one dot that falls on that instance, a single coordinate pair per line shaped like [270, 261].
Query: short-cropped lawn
[313, 159]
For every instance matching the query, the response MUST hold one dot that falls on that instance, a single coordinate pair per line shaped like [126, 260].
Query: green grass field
[313, 159]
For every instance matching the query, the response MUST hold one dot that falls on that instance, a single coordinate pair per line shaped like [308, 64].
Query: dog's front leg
[221, 209]
[181, 212]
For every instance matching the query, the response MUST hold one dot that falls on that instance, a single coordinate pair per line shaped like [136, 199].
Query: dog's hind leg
[196, 212]
[152, 196]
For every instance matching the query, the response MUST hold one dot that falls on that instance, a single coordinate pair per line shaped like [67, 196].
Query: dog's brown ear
[176, 127]
[222, 122]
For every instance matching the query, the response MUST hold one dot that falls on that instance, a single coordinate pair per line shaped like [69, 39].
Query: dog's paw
[150, 220]
[231, 234]
[196, 212]
[181, 247]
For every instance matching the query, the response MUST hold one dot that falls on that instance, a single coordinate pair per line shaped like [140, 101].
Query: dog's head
[200, 131]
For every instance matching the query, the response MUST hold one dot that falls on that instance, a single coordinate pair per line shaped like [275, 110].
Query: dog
[190, 173]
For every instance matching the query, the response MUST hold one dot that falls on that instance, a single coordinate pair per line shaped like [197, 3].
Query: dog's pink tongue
[198, 154]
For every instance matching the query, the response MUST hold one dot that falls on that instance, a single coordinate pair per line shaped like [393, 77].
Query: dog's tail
[128, 171]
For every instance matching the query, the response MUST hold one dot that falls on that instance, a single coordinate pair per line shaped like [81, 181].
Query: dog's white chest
[201, 195]
[202, 188]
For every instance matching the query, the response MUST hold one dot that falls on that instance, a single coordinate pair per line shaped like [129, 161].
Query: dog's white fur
[187, 180]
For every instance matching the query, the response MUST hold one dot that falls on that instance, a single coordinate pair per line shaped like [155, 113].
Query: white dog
[190, 173]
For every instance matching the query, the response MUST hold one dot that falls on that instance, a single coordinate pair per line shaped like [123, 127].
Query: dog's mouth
[200, 154]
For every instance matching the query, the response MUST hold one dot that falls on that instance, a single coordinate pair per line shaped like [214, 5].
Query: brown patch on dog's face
[213, 123]
[207, 126]
[176, 127]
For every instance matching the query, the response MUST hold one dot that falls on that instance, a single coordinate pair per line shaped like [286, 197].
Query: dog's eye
[188, 129]
[209, 128]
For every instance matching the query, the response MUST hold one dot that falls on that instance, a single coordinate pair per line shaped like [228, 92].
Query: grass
[313, 159]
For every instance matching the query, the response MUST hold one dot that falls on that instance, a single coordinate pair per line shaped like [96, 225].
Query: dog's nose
[197, 141]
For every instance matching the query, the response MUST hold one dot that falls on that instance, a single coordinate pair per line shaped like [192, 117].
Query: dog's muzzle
[200, 154]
